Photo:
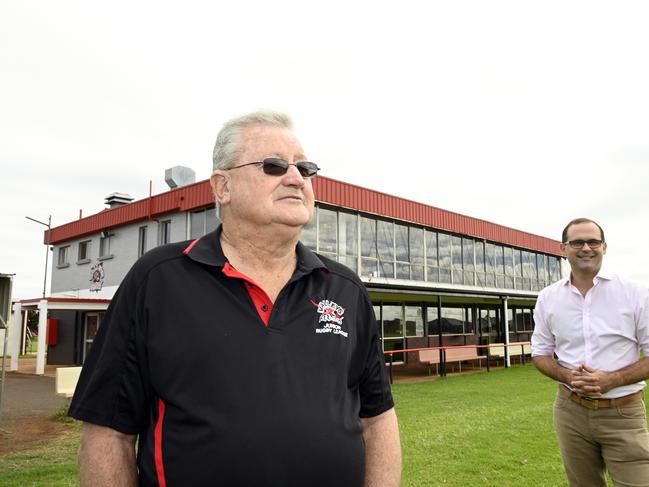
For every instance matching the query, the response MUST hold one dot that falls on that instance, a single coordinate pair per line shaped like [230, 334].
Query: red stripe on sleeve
[159, 463]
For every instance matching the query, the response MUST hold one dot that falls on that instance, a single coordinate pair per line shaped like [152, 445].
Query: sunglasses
[274, 166]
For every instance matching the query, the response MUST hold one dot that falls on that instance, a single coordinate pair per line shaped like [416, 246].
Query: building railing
[524, 349]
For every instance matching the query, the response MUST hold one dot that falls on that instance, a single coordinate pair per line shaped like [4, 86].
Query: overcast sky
[526, 114]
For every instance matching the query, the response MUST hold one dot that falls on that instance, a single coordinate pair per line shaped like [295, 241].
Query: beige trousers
[594, 440]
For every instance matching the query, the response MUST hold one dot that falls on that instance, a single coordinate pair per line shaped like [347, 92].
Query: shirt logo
[331, 317]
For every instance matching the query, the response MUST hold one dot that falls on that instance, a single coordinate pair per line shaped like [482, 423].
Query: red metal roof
[65, 300]
[327, 191]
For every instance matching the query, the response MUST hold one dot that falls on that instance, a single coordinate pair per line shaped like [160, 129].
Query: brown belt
[596, 403]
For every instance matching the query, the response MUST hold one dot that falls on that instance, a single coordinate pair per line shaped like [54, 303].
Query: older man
[596, 324]
[241, 358]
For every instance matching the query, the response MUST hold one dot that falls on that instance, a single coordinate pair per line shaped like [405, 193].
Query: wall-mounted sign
[97, 277]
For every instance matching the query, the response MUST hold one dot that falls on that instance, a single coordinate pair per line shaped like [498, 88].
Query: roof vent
[117, 199]
[178, 176]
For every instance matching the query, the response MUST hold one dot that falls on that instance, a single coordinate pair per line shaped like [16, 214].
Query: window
[327, 233]
[432, 264]
[457, 321]
[432, 320]
[401, 251]
[83, 253]
[348, 240]
[392, 321]
[385, 245]
[456, 259]
[444, 255]
[63, 256]
[141, 241]
[309, 237]
[104, 245]
[480, 264]
[369, 261]
[202, 222]
[414, 321]
[164, 236]
[416, 244]
[467, 261]
[554, 268]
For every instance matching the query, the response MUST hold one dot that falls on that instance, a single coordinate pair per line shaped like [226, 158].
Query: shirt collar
[208, 250]
[607, 276]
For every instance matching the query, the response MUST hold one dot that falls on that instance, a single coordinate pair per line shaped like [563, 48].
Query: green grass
[51, 465]
[484, 429]
[491, 429]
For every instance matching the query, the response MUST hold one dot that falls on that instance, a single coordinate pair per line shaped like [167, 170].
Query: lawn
[481, 429]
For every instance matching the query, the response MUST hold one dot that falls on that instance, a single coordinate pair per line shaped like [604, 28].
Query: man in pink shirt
[590, 330]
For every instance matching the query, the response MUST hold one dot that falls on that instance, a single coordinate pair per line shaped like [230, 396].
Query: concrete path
[29, 395]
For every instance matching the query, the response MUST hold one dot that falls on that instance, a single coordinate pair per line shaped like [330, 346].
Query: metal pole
[47, 247]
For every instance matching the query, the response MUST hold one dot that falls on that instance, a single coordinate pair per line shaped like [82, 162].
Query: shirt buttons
[264, 308]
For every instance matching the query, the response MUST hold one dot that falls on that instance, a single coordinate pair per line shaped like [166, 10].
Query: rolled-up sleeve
[643, 323]
[542, 339]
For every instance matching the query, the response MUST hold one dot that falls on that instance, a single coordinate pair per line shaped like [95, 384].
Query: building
[435, 277]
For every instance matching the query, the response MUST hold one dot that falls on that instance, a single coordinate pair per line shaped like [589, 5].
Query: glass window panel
[508, 283]
[518, 264]
[490, 258]
[467, 254]
[452, 321]
[481, 279]
[431, 248]
[349, 261]
[527, 264]
[211, 220]
[401, 243]
[196, 224]
[542, 267]
[347, 234]
[141, 241]
[386, 269]
[444, 251]
[327, 231]
[458, 277]
[416, 246]
[403, 271]
[369, 267]
[392, 344]
[309, 233]
[385, 245]
[445, 275]
[368, 237]
[84, 252]
[456, 253]
[392, 321]
[385, 240]
[479, 256]
[509, 261]
[433, 274]
[417, 272]
[469, 278]
[432, 321]
[490, 280]
[555, 273]
[414, 321]
[499, 267]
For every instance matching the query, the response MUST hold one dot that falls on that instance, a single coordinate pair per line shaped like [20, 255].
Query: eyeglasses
[274, 166]
[579, 244]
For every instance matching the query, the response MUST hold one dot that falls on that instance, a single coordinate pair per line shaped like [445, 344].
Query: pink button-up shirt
[606, 329]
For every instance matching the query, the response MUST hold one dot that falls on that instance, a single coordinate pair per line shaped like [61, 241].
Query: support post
[42, 332]
[506, 328]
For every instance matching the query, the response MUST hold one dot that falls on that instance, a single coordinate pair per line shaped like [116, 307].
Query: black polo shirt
[184, 360]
